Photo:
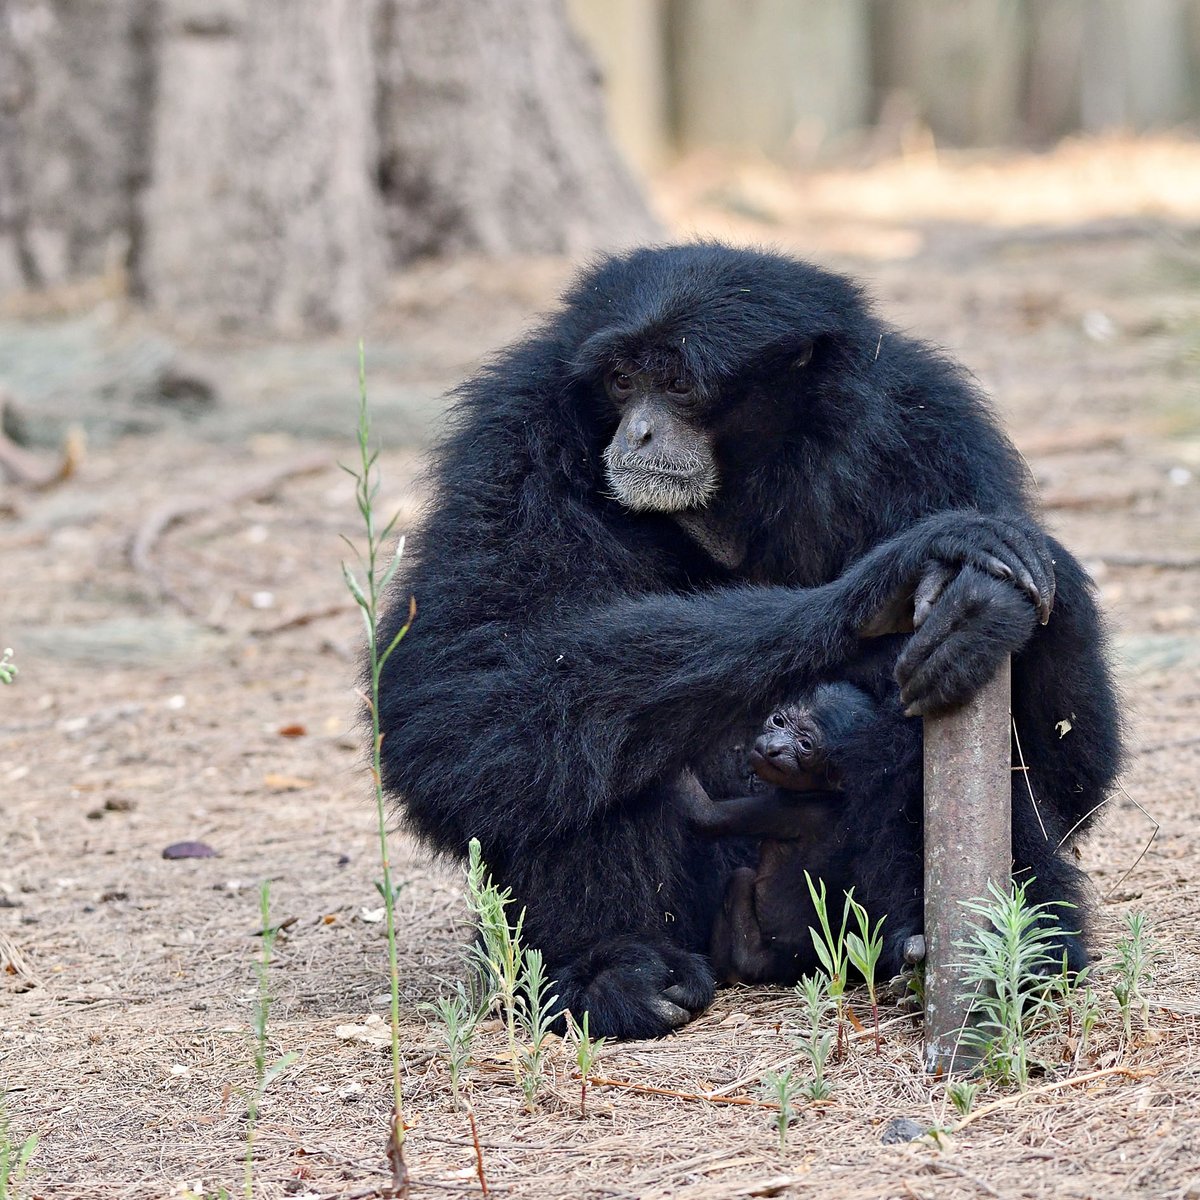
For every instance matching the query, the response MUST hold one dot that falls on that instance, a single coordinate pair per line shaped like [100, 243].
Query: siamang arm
[567, 713]
[773, 813]
[655, 678]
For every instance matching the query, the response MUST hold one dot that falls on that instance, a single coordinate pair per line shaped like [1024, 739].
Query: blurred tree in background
[260, 164]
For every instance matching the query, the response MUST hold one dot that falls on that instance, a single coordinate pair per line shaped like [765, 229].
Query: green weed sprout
[962, 1095]
[458, 1015]
[587, 1051]
[499, 954]
[264, 1073]
[863, 949]
[813, 994]
[782, 1087]
[8, 669]
[367, 595]
[14, 1158]
[537, 1011]
[831, 950]
[1134, 963]
[1007, 960]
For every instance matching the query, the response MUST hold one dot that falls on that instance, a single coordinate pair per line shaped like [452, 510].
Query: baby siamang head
[691, 354]
[802, 744]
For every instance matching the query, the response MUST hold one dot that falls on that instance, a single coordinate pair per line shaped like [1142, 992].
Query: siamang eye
[679, 387]
[620, 383]
[804, 357]
[804, 745]
[776, 721]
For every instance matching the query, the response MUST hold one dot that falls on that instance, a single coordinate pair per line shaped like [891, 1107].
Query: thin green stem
[368, 598]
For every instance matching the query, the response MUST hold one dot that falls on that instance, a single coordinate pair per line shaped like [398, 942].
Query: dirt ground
[155, 701]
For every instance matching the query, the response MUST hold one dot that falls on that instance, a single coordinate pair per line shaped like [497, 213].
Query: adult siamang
[673, 506]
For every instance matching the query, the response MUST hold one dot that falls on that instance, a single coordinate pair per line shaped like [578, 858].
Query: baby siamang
[794, 803]
[674, 505]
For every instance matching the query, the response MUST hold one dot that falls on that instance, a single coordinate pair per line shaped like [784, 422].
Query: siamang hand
[965, 628]
[634, 988]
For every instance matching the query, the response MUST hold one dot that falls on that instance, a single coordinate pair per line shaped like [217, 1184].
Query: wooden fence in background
[800, 78]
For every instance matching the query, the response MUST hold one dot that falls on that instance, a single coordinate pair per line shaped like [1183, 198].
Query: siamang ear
[802, 354]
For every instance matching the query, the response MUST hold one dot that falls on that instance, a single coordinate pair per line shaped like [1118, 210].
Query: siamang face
[791, 752]
[701, 360]
[661, 457]
[802, 745]
[666, 453]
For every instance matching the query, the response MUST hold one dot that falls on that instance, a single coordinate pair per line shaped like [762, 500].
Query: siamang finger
[932, 584]
[1026, 562]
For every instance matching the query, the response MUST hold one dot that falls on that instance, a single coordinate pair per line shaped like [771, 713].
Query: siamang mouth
[660, 486]
[784, 771]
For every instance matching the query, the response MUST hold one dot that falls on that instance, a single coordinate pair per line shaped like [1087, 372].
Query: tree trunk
[261, 210]
[961, 62]
[71, 82]
[786, 77]
[493, 137]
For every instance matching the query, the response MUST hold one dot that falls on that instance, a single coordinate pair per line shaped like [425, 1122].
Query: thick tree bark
[261, 210]
[492, 131]
[71, 89]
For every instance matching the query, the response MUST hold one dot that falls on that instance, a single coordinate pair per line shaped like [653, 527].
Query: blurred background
[264, 166]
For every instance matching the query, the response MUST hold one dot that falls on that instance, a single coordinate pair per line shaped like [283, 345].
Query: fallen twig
[710, 1097]
[28, 469]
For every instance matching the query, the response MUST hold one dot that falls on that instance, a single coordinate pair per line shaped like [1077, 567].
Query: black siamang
[673, 506]
[793, 803]
[834, 790]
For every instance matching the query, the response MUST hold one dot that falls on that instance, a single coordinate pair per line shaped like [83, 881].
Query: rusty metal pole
[968, 842]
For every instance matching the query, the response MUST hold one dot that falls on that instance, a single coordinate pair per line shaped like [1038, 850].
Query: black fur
[570, 658]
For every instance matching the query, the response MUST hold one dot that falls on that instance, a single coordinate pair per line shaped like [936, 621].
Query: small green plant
[962, 1095]
[815, 1043]
[1133, 963]
[863, 949]
[782, 1087]
[831, 951]
[587, 1051]
[1009, 958]
[499, 954]
[537, 1011]
[1083, 1013]
[264, 1073]
[367, 595]
[8, 669]
[14, 1157]
[458, 1015]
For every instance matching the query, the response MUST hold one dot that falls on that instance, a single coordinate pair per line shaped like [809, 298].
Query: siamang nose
[774, 747]
[639, 433]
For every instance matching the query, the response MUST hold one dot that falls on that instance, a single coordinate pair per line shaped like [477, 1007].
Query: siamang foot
[634, 988]
[1069, 946]
[903, 948]
[965, 634]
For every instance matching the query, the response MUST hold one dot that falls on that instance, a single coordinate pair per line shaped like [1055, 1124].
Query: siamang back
[677, 503]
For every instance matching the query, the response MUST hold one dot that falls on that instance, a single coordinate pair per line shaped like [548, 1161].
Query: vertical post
[968, 842]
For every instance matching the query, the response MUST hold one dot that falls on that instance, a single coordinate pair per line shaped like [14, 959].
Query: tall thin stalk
[367, 595]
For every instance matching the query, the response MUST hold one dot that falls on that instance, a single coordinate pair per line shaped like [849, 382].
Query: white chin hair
[641, 491]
